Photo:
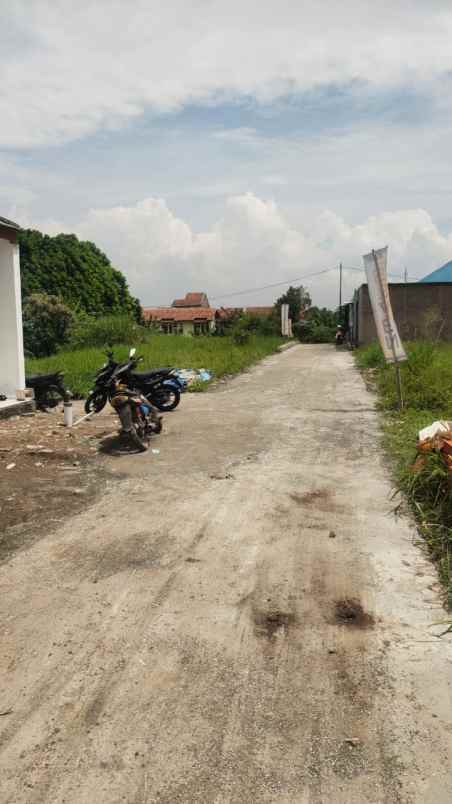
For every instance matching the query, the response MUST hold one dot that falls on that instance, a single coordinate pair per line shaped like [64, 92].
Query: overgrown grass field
[218, 355]
[427, 391]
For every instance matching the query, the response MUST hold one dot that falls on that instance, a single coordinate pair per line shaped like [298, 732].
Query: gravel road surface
[237, 618]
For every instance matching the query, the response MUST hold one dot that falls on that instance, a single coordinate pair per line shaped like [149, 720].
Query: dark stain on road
[310, 497]
[268, 624]
[350, 612]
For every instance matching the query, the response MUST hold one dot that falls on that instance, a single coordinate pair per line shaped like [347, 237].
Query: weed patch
[427, 388]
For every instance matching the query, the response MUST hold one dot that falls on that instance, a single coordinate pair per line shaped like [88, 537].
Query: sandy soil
[236, 618]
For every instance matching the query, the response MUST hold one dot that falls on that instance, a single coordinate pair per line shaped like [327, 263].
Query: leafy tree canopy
[322, 315]
[76, 272]
[298, 299]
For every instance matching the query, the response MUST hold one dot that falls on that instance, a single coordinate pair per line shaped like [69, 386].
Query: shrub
[105, 331]
[46, 323]
[311, 332]
[240, 335]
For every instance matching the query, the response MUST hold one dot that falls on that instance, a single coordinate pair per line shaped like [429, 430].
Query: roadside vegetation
[427, 391]
[221, 355]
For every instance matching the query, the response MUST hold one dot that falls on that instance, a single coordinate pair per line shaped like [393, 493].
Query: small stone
[352, 741]
[332, 534]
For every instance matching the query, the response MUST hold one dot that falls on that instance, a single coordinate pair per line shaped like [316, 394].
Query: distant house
[12, 373]
[191, 315]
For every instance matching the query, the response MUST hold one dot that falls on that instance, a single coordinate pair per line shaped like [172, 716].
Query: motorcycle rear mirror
[132, 353]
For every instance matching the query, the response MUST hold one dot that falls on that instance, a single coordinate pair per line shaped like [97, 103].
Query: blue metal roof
[443, 274]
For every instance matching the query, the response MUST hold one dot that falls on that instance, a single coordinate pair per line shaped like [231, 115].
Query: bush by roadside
[107, 330]
[427, 390]
[47, 323]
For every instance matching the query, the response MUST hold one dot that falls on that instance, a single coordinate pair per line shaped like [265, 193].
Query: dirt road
[239, 618]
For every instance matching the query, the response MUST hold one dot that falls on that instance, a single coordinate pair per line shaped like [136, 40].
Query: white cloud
[254, 244]
[69, 68]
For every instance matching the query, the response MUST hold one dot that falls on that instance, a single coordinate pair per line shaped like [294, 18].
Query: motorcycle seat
[35, 380]
[152, 374]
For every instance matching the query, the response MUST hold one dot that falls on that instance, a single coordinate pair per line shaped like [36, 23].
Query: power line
[274, 285]
[290, 281]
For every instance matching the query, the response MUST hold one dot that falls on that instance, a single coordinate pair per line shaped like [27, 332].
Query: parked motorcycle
[162, 387]
[339, 337]
[98, 396]
[138, 418]
[49, 389]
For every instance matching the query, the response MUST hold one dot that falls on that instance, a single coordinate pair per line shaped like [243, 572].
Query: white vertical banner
[375, 265]
[285, 319]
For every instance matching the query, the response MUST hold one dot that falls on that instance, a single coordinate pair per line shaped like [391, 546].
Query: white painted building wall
[12, 370]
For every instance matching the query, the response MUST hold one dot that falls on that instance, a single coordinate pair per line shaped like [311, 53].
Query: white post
[12, 377]
[285, 320]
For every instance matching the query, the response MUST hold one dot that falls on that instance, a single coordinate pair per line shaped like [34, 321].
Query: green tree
[318, 326]
[47, 322]
[298, 300]
[322, 316]
[75, 271]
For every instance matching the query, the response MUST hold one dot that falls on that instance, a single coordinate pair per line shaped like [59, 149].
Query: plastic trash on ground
[435, 438]
[433, 429]
[190, 376]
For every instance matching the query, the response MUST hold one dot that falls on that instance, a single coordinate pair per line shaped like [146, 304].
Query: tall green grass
[426, 376]
[219, 355]
[427, 391]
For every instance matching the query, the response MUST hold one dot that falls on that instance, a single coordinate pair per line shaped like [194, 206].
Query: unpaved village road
[187, 638]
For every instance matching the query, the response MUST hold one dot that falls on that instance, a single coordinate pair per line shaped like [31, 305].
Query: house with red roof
[191, 315]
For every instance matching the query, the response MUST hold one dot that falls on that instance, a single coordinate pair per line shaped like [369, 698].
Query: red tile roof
[192, 300]
[179, 313]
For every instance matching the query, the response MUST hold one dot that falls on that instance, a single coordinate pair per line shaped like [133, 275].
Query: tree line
[67, 282]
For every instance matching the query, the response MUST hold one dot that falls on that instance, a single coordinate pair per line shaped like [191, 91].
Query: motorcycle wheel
[137, 438]
[156, 423]
[95, 401]
[168, 399]
[47, 398]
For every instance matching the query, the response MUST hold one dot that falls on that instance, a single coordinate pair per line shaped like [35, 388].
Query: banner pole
[394, 354]
[399, 384]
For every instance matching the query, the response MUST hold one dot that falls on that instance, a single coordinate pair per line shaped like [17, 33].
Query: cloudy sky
[223, 146]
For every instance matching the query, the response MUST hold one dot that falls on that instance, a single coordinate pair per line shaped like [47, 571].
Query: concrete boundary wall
[421, 310]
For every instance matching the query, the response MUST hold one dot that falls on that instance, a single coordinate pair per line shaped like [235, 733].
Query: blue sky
[206, 147]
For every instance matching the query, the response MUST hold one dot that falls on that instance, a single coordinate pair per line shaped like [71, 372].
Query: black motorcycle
[49, 389]
[160, 386]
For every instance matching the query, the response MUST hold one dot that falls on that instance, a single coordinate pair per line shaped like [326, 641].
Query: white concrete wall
[12, 371]
[188, 328]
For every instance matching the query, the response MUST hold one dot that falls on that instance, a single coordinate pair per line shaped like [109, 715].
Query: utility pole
[340, 286]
